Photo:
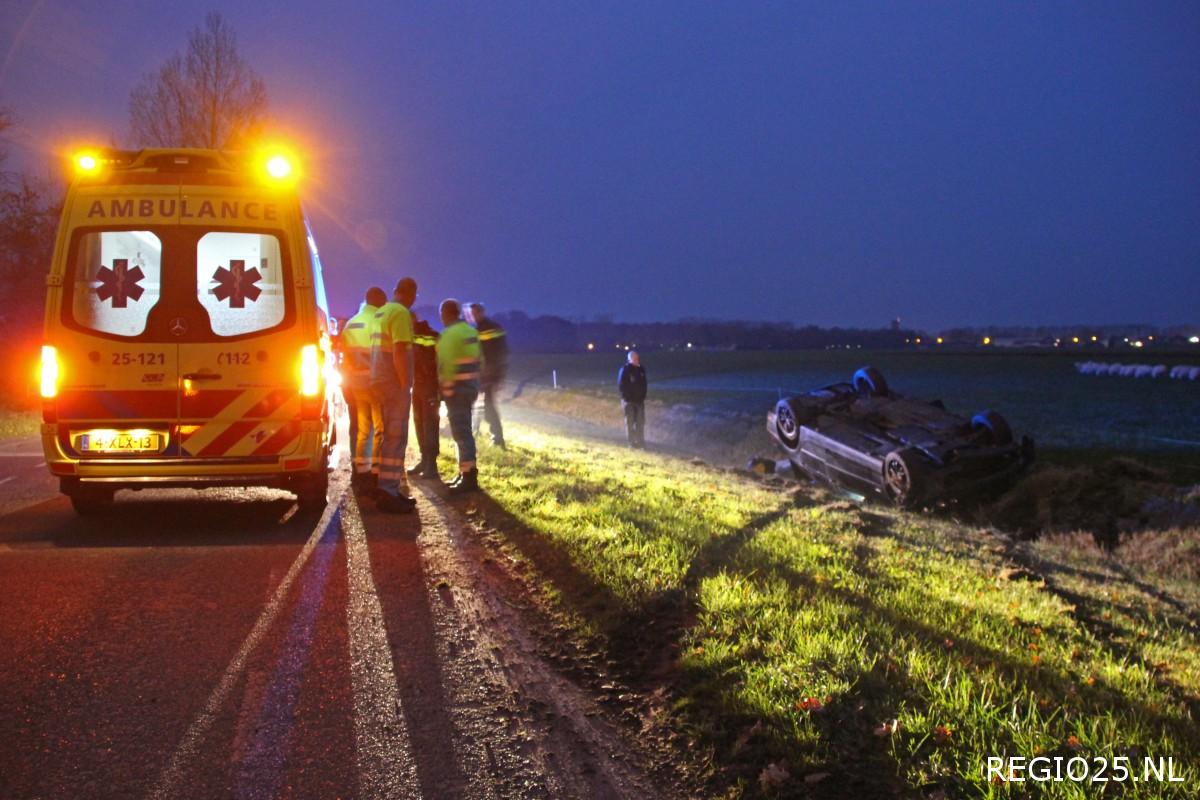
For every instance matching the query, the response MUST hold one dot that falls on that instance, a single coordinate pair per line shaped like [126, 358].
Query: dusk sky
[828, 163]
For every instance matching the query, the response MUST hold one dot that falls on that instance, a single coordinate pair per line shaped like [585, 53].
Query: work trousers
[394, 401]
[426, 424]
[458, 408]
[491, 409]
[368, 433]
[635, 422]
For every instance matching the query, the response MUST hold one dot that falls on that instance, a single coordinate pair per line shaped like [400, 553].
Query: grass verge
[802, 646]
[18, 423]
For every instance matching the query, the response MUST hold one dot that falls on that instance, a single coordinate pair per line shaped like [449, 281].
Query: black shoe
[499, 442]
[395, 504]
[418, 470]
[467, 482]
[431, 473]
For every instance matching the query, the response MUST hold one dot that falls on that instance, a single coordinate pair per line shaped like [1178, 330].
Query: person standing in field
[391, 380]
[458, 356]
[495, 368]
[631, 382]
[426, 398]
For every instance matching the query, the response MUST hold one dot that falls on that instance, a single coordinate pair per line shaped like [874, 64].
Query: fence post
[554, 377]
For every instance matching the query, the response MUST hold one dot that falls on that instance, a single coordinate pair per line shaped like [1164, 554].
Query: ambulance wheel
[311, 491]
[90, 501]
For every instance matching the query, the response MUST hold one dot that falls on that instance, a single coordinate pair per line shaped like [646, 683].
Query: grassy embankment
[800, 645]
[17, 423]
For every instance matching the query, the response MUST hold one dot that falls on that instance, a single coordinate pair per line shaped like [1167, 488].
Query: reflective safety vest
[393, 326]
[356, 347]
[458, 356]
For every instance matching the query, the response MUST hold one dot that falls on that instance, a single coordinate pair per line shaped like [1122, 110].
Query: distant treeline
[550, 334]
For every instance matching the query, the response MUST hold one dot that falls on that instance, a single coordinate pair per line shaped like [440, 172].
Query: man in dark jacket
[631, 381]
[426, 397]
[495, 367]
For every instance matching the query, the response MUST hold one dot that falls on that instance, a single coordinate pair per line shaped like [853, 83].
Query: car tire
[870, 381]
[798, 472]
[312, 492]
[787, 424]
[999, 432]
[902, 478]
[91, 501]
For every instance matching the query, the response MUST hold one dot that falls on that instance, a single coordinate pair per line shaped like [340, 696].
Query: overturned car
[862, 437]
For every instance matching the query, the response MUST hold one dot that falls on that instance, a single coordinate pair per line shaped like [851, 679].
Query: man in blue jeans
[458, 358]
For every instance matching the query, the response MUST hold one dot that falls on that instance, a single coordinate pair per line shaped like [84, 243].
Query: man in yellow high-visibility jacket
[391, 380]
[458, 357]
[356, 374]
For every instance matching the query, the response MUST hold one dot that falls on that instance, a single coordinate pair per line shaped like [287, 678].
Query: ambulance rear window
[117, 277]
[241, 282]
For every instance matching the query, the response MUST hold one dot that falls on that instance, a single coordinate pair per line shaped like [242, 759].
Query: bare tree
[208, 97]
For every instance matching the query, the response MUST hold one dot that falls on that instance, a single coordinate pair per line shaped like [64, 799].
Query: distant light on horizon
[987, 340]
[591, 345]
[1195, 340]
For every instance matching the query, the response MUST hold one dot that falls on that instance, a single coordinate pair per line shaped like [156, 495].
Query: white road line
[386, 767]
[6, 480]
[169, 780]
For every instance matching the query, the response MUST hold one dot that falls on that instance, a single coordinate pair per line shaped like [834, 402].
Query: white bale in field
[1128, 370]
[1194, 374]
[1116, 369]
[1143, 371]
[1178, 371]
[1158, 371]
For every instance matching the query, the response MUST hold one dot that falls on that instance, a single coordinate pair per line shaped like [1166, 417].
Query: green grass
[18, 423]
[793, 627]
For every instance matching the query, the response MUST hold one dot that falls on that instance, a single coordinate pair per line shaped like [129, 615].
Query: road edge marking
[167, 785]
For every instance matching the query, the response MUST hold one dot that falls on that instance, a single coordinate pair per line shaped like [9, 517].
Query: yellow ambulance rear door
[244, 323]
[118, 358]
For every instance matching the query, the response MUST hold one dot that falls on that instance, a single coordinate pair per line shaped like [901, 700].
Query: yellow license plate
[106, 441]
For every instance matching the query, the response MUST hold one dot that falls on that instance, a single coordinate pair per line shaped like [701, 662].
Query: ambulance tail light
[49, 373]
[312, 389]
[310, 371]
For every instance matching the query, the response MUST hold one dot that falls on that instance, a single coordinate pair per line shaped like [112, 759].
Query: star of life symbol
[236, 284]
[120, 284]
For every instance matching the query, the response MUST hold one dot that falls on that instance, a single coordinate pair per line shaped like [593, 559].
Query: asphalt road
[222, 644]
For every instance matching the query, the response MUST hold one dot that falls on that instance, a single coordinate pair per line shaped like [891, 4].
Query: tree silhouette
[208, 97]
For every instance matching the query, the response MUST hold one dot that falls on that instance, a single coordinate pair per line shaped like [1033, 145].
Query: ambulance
[187, 330]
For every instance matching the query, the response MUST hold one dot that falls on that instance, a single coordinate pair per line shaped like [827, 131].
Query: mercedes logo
[178, 326]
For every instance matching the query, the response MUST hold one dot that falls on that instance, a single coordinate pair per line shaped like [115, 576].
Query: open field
[1040, 393]
[798, 645]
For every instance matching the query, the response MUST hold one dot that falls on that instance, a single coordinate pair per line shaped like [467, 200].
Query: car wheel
[90, 501]
[787, 424]
[901, 478]
[870, 381]
[797, 472]
[312, 491]
[999, 433]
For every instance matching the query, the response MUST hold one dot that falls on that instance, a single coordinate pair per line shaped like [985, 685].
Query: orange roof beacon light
[86, 162]
[279, 167]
